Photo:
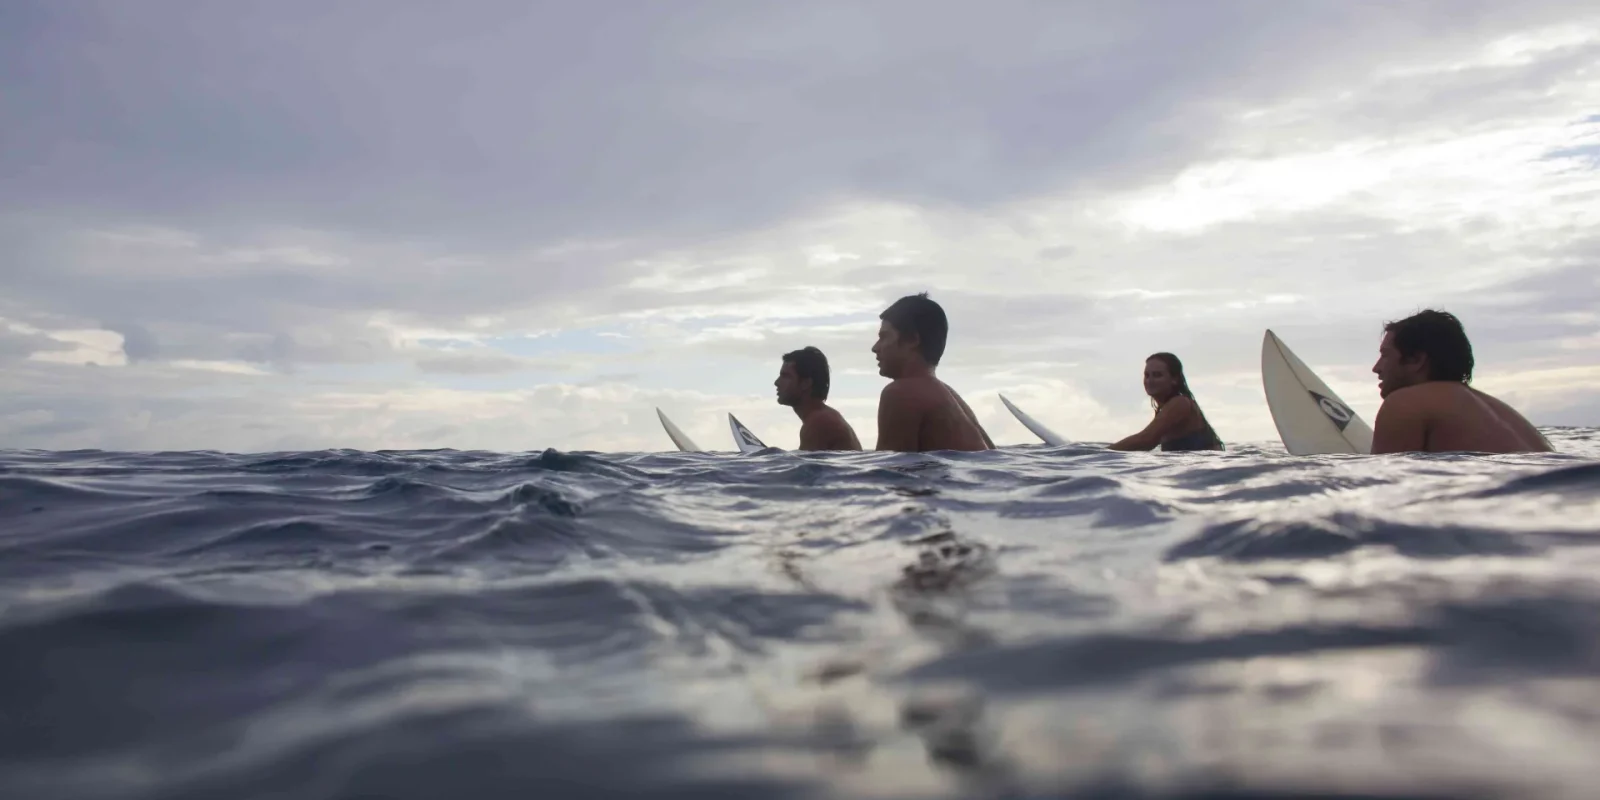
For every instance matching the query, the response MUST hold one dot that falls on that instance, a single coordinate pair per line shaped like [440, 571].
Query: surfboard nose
[678, 437]
[1311, 418]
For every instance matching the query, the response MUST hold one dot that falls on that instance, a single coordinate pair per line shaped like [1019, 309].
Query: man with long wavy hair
[1424, 368]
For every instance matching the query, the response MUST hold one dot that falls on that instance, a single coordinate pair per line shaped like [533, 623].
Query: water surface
[1028, 622]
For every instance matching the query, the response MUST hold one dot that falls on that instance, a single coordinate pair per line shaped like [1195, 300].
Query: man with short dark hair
[803, 385]
[918, 412]
[1424, 365]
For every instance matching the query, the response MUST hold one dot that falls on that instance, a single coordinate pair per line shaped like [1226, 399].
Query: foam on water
[1029, 622]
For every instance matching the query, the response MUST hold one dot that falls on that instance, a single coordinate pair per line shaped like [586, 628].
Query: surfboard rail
[1036, 427]
[679, 438]
[1310, 417]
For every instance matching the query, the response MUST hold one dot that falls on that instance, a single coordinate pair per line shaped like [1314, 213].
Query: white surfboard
[679, 438]
[1039, 430]
[746, 441]
[1311, 418]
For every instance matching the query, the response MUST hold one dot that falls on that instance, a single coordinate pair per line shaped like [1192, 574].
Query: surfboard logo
[746, 436]
[1336, 411]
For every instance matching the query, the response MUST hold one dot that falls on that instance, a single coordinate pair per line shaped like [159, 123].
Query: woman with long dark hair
[1179, 423]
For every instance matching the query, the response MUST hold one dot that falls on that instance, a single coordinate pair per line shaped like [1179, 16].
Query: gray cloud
[14, 345]
[1580, 414]
[519, 121]
[287, 184]
[478, 361]
[1573, 286]
[152, 408]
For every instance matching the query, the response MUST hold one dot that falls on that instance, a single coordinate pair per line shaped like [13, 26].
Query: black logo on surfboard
[1336, 411]
[746, 436]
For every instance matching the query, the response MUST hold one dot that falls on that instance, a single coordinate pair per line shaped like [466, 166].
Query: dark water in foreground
[1032, 622]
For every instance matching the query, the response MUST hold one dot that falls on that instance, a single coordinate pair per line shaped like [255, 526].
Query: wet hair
[1439, 336]
[810, 364]
[917, 314]
[1175, 368]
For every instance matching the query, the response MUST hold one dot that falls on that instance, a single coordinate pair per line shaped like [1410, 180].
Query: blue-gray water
[1028, 622]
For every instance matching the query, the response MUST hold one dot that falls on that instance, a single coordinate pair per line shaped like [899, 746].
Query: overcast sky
[279, 225]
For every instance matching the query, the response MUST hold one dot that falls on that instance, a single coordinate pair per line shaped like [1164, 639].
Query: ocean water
[1028, 622]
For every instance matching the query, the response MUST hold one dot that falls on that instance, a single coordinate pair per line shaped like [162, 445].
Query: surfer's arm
[1401, 425]
[975, 423]
[899, 420]
[811, 438]
[1167, 420]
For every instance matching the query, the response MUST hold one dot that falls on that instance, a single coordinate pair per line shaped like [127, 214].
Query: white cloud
[1517, 50]
[87, 347]
[227, 367]
[1535, 391]
[1429, 178]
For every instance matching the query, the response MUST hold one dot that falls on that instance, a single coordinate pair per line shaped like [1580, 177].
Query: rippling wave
[1027, 622]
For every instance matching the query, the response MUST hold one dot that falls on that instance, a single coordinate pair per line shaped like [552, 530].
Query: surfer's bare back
[802, 384]
[918, 412]
[1424, 365]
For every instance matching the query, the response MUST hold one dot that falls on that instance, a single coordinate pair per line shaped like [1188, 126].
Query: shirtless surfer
[1424, 365]
[803, 385]
[917, 412]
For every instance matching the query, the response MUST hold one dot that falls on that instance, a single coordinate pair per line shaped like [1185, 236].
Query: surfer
[1423, 368]
[1179, 424]
[917, 412]
[803, 385]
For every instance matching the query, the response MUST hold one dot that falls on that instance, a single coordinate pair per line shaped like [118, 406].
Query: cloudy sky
[514, 225]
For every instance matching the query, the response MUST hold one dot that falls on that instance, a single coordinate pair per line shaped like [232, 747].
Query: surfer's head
[1426, 346]
[804, 374]
[1164, 379]
[913, 329]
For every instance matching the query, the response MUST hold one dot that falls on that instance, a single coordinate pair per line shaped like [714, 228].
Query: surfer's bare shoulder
[1445, 416]
[828, 430]
[966, 410]
[1404, 418]
[901, 406]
